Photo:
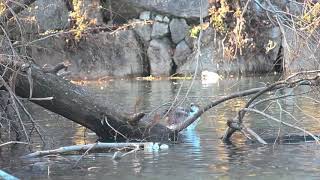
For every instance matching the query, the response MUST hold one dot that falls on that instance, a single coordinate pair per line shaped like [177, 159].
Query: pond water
[202, 155]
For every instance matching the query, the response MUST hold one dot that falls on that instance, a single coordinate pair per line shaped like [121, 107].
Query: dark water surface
[201, 156]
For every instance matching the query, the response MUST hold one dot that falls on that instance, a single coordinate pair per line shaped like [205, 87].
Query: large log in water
[79, 105]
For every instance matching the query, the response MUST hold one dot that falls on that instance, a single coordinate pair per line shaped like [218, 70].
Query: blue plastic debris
[6, 176]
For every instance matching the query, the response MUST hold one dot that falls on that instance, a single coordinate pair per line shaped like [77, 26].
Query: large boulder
[143, 30]
[181, 53]
[101, 54]
[119, 11]
[179, 29]
[179, 8]
[43, 15]
[159, 55]
[160, 30]
[189, 9]
[145, 15]
[51, 15]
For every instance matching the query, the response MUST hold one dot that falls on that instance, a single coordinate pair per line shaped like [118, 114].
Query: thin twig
[84, 154]
[13, 142]
[117, 132]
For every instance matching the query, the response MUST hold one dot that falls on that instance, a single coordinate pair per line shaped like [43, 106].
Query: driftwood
[96, 146]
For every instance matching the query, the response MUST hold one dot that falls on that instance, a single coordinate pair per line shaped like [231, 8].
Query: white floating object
[208, 77]
[156, 146]
[117, 155]
[148, 147]
[164, 146]
[151, 147]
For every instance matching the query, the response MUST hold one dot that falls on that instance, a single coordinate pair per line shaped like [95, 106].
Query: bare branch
[284, 123]
[14, 8]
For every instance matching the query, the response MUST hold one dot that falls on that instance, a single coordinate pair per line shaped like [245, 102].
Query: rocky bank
[154, 39]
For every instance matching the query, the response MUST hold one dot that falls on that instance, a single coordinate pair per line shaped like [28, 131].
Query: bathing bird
[180, 114]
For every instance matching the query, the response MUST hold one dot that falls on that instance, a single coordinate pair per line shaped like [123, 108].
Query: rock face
[180, 8]
[50, 15]
[54, 15]
[157, 44]
[99, 55]
[126, 59]
[159, 55]
[122, 10]
[179, 29]
[212, 59]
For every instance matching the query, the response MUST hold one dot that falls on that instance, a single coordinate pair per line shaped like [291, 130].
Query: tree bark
[80, 105]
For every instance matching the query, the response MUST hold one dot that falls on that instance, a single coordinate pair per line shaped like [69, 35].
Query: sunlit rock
[166, 19]
[179, 29]
[158, 18]
[145, 15]
[101, 54]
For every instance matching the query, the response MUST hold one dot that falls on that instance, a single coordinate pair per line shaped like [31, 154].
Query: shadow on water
[200, 155]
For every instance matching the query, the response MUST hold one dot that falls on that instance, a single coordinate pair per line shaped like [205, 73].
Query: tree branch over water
[78, 104]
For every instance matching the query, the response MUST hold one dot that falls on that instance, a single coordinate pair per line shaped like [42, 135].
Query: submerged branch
[95, 146]
[290, 82]
[284, 123]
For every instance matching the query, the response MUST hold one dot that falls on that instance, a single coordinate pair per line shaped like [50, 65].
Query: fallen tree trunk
[80, 105]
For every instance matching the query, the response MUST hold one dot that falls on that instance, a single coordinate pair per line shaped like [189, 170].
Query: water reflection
[192, 137]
